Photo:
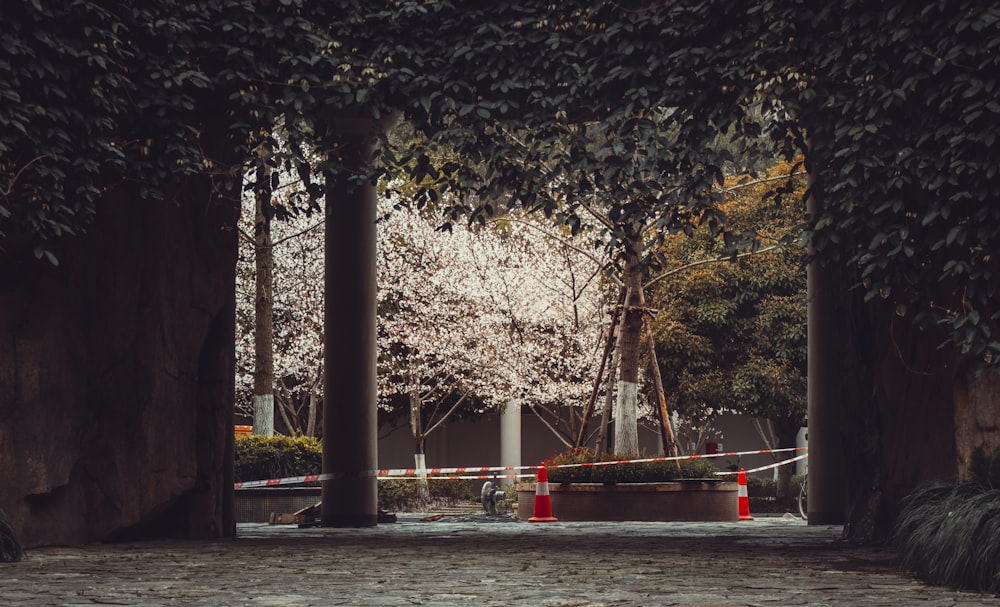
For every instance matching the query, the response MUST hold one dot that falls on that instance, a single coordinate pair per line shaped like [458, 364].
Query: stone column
[350, 499]
[826, 340]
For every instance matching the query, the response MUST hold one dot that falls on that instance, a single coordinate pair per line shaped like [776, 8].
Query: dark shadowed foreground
[769, 561]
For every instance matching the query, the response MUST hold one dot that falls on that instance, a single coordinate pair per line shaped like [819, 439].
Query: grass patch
[10, 548]
[949, 535]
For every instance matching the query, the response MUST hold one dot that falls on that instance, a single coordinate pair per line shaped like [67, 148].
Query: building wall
[476, 443]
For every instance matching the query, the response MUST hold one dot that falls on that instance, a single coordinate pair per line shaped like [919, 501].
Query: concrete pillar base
[826, 518]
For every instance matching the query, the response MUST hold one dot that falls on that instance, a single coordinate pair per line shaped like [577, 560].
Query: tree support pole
[609, 343]
[350, 498]
[609, 392]
[666, 431]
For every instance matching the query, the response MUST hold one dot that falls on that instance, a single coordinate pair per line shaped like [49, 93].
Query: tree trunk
[314, 404]
[419, 445]
[977, 412]
[898, 431]
[609, 345]
[263, 374]
[420, 464]
[627, 407]
[287, 411]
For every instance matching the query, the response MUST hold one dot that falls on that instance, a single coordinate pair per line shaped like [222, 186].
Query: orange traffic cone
[744, 498]
[543, 503]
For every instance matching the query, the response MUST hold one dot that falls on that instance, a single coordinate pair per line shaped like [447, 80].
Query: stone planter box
[256, 505]
[686, 500]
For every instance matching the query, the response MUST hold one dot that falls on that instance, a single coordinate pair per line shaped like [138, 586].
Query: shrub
[580, 474]
[763, 493]
[644, 472]
[985, 469]
[262, 457]
[762, 487]
[397, 494]
[950, 535]
[10, 547]
[393, 493]
[452, 489]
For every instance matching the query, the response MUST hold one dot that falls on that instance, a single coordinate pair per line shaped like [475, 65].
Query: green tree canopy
[899, 104]
[893, 105]
[731, 336]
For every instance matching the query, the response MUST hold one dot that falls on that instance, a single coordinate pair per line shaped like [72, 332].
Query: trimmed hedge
[262, 458]
[404, 494]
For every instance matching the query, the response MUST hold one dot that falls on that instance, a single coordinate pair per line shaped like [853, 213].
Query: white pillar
[510, 437]
[802, 442]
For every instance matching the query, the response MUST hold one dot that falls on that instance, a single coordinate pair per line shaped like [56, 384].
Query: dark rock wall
[116, 375]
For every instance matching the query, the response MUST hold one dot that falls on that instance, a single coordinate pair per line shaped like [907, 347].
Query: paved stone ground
[461, 561]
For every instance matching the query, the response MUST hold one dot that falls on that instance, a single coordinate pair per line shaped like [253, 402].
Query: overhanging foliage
[542, 103]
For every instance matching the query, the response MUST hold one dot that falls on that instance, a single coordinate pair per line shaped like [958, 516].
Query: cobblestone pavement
[455, 561]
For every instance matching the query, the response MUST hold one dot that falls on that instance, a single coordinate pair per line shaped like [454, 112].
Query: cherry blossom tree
[628, 183]
[555, 295]
[470, 318]
[477, 316]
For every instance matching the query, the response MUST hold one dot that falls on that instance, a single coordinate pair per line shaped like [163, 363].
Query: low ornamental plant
[949, 535]
[404, 495]
[265, 457]
[10, 547]
[644, 472]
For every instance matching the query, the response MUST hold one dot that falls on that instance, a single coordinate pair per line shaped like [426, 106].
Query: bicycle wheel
[803, 498]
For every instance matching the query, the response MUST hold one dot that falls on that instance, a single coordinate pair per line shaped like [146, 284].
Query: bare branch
[448, 414]
[548, 425]
[13, 180]
[299, 233]
[659, 277]
[561, 241]
[759, 181]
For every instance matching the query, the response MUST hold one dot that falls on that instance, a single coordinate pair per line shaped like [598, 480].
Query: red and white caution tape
[482, 477]
[489, 472]
[296, 480]
[449, 471]
[783, 462]
[677, 458]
